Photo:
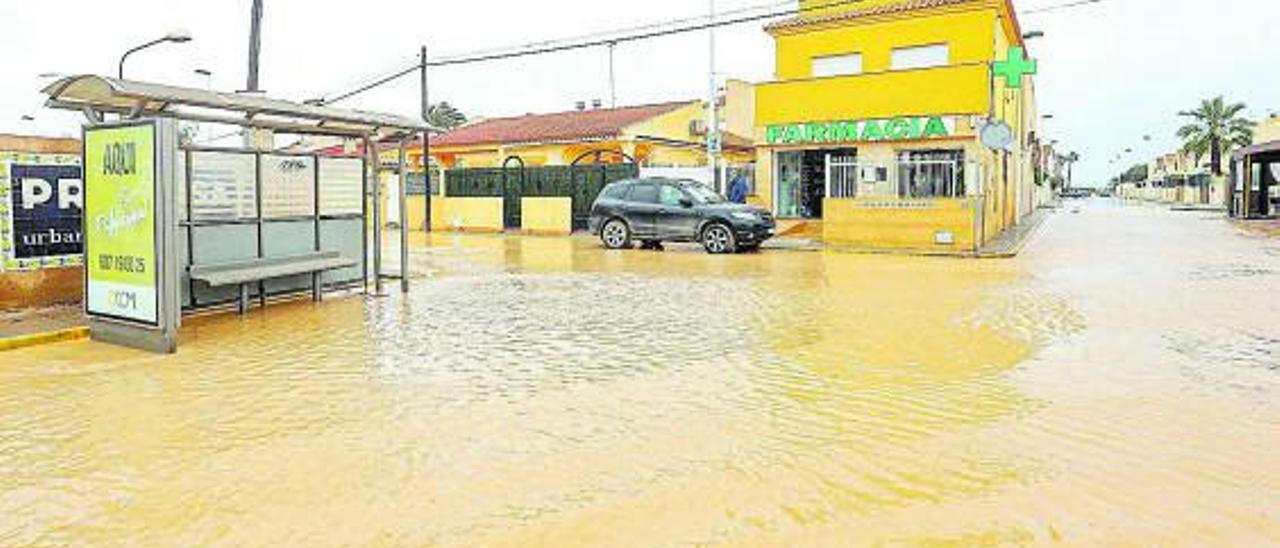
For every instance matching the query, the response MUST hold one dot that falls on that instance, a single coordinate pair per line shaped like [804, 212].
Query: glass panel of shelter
[232, 187]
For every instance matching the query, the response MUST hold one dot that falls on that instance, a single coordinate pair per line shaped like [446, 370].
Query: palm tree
[444, 116]
[1216, 127]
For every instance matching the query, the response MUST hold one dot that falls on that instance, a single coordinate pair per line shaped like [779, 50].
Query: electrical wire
[608, 39]
[1058, 7]
[546, 47]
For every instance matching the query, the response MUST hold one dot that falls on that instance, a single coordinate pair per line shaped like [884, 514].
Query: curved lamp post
[177, 37]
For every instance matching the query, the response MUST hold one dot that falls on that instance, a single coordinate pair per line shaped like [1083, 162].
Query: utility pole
[255, 45]
[613, 85]
[426, 142]
[713, 120]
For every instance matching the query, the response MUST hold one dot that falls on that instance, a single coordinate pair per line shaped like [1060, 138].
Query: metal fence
[842, 176]
[931, 175]
[582, 183]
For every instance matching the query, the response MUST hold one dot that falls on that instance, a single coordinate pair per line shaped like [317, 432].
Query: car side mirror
[686, 203]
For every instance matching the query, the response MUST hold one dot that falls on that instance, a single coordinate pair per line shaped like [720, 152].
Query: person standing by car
[738, 190]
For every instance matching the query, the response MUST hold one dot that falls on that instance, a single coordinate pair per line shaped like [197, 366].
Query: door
[677, 219]
[642, 210]
[787, 184]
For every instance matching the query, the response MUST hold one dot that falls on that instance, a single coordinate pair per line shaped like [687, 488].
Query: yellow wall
[467, 214]
[1267, 130]
[902, 224]
[549, 216]
[739, 112]
[672, 125]
[969, 35]
[943, 90]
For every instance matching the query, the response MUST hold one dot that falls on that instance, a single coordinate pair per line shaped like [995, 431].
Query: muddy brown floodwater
[1119, 383]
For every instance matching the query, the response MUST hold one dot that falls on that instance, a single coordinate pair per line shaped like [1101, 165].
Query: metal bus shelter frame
[98, 97]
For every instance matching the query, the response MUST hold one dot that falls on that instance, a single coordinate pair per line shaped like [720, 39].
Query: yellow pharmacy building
[871, 133]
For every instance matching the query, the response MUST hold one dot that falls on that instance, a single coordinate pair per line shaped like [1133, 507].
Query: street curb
[40, 339]
[1021, 244]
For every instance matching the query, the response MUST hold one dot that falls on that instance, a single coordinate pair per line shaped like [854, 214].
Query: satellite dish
[996, 135]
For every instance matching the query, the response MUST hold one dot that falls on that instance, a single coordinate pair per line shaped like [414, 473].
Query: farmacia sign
[854, 131]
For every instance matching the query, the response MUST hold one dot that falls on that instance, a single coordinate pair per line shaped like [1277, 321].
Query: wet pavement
[1118, 383]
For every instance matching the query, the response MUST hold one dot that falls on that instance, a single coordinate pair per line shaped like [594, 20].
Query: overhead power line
[1058, 7]
[691, 24]
[610, 38]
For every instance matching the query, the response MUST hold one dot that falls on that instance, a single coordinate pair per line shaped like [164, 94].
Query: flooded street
[1118, 383]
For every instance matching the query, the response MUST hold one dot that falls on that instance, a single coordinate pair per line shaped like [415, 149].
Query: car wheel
[718, 239]
[616, 234]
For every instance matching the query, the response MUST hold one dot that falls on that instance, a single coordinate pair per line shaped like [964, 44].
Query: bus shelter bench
[243, 273]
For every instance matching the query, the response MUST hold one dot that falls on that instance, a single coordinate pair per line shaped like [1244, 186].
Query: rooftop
[872, 11]
[576, 125]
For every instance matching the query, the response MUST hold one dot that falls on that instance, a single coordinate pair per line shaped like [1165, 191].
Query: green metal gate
[582, 183]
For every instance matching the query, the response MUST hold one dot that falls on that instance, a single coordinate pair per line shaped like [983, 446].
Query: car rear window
[645, 193]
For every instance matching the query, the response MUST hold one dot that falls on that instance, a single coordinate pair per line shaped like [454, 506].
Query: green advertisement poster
[120, 223]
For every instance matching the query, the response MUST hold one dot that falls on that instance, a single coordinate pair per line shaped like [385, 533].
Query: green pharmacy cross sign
[1015, 67]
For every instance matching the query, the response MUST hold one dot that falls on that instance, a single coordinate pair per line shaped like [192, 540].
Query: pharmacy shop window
[931, 174]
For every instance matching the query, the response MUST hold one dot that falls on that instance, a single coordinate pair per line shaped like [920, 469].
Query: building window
[837, 65]
[915, 57]
[931, 174]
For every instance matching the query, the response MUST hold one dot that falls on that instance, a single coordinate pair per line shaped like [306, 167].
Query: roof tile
[561, 126]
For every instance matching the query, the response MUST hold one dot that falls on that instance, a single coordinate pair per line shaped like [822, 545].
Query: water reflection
[542, 391]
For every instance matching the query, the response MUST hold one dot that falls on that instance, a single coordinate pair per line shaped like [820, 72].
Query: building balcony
[949, 90]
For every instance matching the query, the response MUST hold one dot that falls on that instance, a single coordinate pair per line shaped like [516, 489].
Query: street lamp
[208, 77]
[177, 37]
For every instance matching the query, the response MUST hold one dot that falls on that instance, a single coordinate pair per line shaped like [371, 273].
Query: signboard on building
[122, 270]
[856, 131]
[45, 209]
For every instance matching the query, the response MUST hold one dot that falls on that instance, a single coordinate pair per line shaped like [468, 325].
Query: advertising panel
[120, 223]
[46, 205]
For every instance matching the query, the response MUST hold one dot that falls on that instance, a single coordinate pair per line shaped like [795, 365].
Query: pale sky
[1110, 72]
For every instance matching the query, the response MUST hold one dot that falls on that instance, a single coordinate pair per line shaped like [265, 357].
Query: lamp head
[179, 36]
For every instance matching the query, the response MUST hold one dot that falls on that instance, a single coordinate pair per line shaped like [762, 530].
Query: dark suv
[653, 211]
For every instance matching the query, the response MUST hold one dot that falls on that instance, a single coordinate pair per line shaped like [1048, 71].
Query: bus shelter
[1255, 186]
[173, 228]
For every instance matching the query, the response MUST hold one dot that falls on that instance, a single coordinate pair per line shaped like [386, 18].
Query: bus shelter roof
[95, 95]
[1259, 149]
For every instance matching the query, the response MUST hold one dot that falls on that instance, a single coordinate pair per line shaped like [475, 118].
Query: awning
[99, 94]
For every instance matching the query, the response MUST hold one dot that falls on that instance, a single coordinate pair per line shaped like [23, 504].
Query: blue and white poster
[46, 207]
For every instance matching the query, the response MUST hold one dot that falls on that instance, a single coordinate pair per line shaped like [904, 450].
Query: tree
[1135, 174]
[1215, 129]
[444, 116]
